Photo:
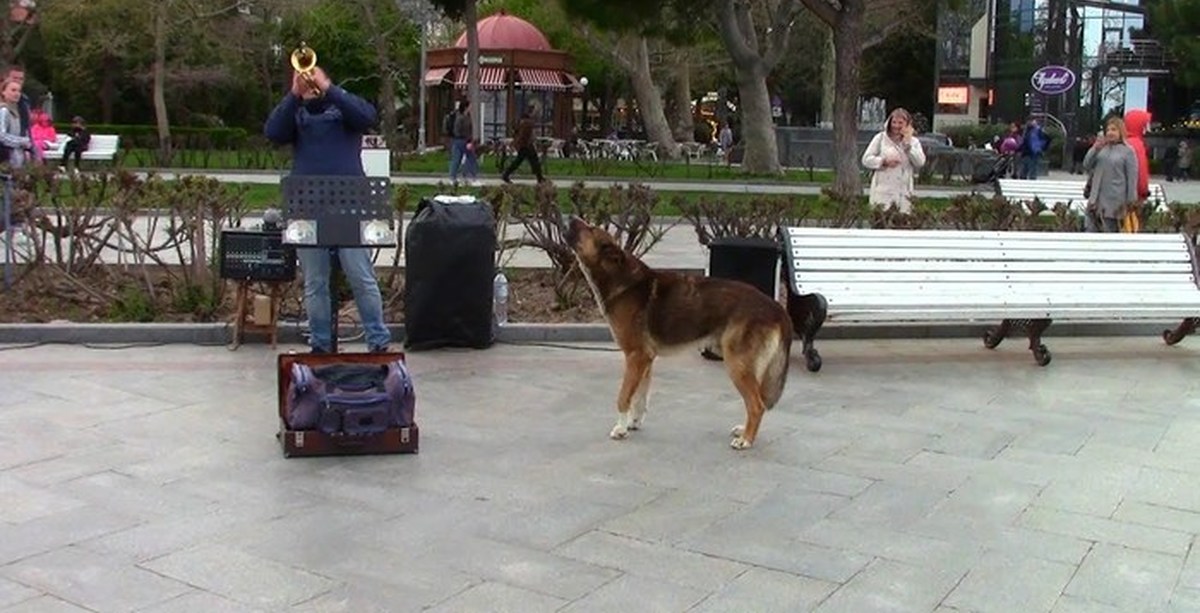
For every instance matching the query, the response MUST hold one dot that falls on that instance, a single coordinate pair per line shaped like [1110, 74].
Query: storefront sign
[1052, 80]
[953, 94]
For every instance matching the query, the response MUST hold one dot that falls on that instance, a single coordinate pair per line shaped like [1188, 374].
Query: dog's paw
[737, 431]
[636, 424]
[618, 432]
[740, 443]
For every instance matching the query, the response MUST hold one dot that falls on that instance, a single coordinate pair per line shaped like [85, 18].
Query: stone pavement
[925, 476]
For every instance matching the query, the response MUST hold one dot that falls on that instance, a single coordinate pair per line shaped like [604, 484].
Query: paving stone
[651, 560]
[1130, 579]
[521, 567]
[1074, 604]
[1106, 530]
[766, 591]
[880, 541]
[1157, 516]
[1002, 583]
[674, 516]
[44, 604]
[239, 576]
[50, 532]
[891, 505]
[94, 581]
[892, 586]
[492, 596]
[12, 592]
[634, 593]
[980, 507]
[196, 600]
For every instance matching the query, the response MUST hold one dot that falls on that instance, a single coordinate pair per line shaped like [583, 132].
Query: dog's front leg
[637, 366]
[641, 398]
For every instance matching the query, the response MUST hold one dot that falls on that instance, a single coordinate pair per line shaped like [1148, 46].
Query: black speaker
[751, 260]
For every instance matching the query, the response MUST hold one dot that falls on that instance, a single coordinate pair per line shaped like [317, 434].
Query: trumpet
[304, 61]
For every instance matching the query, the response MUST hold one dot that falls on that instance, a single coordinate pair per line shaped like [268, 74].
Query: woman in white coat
[895, 156]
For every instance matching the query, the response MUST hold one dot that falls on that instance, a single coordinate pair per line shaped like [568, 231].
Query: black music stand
[329, 212]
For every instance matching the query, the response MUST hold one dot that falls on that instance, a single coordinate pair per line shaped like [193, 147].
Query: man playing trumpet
[325, 125]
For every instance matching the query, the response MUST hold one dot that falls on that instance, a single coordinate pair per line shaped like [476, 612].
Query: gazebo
[517, 67]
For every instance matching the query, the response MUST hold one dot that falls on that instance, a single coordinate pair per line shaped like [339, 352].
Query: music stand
[329, 212]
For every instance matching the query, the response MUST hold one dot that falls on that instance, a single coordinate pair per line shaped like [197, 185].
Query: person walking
[325, 125]
[1112, 185]
[895, 155]
[1183, 161]
[462, 146]
[524, 145]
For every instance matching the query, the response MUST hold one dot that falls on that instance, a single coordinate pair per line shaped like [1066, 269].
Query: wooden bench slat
[833, 265]
[868, 234]
[995, 315]
[997, 255]
[812, 278]
[899, 242]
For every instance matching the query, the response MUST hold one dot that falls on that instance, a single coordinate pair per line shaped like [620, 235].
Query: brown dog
[653, 312]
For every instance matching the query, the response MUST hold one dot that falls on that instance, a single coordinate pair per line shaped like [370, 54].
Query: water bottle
[500, 298]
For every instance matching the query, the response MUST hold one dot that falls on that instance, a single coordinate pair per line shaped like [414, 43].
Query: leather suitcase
[305, 443]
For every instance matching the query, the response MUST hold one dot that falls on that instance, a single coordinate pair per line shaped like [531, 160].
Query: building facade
[1067, 62]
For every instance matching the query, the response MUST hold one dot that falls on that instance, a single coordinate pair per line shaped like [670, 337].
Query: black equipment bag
[449, 251]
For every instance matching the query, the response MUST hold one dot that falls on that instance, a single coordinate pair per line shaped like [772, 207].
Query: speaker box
[751, 260]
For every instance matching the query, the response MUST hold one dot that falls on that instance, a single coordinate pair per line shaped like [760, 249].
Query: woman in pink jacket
[42, 134]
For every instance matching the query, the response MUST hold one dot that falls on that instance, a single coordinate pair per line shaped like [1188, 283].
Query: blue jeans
[356, 264]
[458, 151]
[1029, 166]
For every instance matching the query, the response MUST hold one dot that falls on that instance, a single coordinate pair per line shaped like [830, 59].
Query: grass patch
[437, 163]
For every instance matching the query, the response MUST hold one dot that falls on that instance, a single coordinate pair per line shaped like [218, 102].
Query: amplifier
[256, 255]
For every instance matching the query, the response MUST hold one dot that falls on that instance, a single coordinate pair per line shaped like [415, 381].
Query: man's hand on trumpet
[301, 87]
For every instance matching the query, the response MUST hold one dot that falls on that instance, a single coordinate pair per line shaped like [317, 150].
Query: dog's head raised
[601, 257]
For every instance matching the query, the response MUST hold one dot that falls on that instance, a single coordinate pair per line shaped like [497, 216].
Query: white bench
[101, 147]
[1070, 193]
[1024, 280]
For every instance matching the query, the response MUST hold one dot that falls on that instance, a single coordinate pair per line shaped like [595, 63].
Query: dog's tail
[775, 375]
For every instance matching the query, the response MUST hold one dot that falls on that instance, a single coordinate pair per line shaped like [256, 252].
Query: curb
[220, 333]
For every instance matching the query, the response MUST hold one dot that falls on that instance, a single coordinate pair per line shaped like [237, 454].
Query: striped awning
[490, 77]
[540, 78]
[435, 76]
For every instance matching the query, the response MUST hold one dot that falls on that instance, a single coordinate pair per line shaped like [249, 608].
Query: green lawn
[437, 164]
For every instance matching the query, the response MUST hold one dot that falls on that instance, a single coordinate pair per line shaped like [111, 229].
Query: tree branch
[739, 50]
[779, 32]
[828, 11]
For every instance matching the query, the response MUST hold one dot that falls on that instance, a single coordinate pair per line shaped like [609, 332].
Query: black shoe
[319, 351]
[506, 180]
[379, 349]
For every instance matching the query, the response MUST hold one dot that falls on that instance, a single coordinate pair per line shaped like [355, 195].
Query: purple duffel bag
[353, 399]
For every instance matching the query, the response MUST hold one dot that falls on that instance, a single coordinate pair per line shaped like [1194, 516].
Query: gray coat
[10, 137]
[1114, 175]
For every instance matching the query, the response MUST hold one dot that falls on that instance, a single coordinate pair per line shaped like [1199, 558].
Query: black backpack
[448, 123]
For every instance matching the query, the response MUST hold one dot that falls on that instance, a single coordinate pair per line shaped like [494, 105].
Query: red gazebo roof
[504, 31]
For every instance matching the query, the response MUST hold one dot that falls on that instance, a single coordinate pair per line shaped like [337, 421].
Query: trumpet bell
[304, 59]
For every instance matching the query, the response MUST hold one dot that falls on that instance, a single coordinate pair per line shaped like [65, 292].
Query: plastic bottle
[500, 298]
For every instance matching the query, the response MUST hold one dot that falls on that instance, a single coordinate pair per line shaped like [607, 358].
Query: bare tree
[753, 60]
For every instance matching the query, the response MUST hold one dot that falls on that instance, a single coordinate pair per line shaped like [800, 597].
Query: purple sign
[1052, 80]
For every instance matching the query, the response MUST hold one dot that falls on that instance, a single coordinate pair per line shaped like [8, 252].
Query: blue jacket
[325, 134]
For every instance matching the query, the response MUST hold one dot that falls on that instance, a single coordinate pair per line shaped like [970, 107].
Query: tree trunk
[761, 153]
[160, 77]
[387, 84]
[685, 126]
[847, 38]
[650, 103]
[828, 78]
[471, 17]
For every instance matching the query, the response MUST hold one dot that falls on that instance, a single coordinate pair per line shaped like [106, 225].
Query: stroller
[992, 171]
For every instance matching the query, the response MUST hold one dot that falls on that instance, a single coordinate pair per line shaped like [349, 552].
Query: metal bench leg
[1186, 328]
[808, 315]
[995, 335]
[1036, 327]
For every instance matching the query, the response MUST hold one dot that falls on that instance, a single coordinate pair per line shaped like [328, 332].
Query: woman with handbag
[1111, 189]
